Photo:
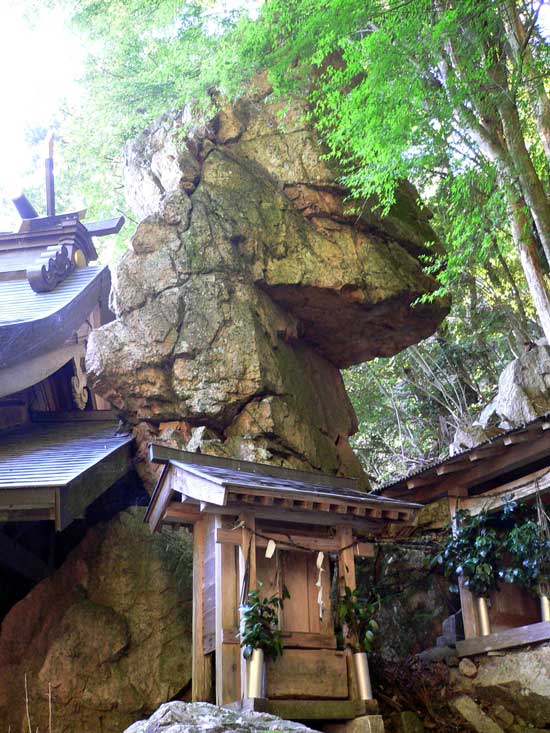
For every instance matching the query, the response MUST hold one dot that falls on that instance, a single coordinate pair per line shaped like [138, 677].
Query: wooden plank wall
[299, 575]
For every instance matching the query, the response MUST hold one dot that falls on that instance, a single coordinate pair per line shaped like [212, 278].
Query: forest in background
[450, 95]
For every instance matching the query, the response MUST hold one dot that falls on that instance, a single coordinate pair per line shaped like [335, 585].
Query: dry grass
[28, 709]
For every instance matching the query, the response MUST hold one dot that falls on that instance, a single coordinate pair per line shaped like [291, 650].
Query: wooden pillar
[228, 673]
[467, 599]
[346, 577]
[201, 687]
[247, 555]
[346, 559]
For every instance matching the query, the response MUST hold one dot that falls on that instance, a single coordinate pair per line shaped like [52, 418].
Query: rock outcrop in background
[249, 285]
[523, 395]
[110, 632]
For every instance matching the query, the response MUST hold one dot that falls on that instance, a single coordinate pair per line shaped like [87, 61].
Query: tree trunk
[525, 243]
[524, 171]
[518, 40]
[523, 318]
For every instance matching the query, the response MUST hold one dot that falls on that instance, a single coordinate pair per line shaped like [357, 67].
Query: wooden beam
[519, 636]
[160, 500]
[446, 468]
[164, 454]
[415, 483]
[228, 657]
[293, 516]
[516, 438]
[107, 226]
[178, 513]
[247, 576]
[308, 709]
[482, 453]
[198, 487]
[346, 558]
[20, 376]
[497, 498]
[291, 639]
[201, 663]
[513, 457]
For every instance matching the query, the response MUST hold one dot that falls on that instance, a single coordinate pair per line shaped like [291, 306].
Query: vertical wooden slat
[467, 599]
[247, 576]
[202, 664]
[228, 677]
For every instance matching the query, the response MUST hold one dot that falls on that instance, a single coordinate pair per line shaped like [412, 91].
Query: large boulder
[201, 717]
[109, 633]
[250, 281]
[523, 390]
[523, 395]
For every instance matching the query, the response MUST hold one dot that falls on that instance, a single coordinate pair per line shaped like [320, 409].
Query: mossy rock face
[415, 601]
[250, 282]
[110, 632]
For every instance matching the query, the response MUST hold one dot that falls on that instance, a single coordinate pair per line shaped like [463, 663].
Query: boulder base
[201, 717]
[109, 633]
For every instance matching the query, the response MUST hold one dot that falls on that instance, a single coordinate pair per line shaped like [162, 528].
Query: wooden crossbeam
[516, 438]
[482, 453]
[509, 638]
[176, 512]
[415, 483]
[446, 468]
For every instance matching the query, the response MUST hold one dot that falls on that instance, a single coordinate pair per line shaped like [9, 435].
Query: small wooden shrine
[513, 465]
[59, 445]
[257, 524]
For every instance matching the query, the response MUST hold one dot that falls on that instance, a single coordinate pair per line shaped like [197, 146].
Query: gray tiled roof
[49, 454]
[20, 304]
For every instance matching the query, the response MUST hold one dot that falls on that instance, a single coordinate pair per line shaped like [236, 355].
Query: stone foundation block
[363, 724]
[474, 715]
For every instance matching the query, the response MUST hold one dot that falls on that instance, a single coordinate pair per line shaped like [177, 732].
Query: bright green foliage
[260, 624]
[529, 551]
[357, 612]
[485, 548]
[472, 551]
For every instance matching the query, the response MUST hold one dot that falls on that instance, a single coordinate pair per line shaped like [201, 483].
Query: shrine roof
[32, 323]
[505, 457]
[19, 303]
[54, 468]
[226, 482]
